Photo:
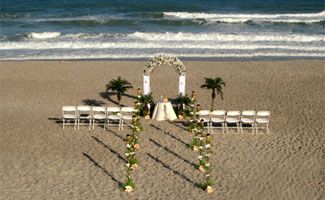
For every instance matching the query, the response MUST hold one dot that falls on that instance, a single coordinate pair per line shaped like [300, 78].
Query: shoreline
[185, 59]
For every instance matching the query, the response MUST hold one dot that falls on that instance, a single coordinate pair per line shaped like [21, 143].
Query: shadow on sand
[102, 168]
[108, 97]
[172, 152]
[168, 133]
[117, 135]
[174, 171]
[111, 150]
[92, 102]
[178, 125]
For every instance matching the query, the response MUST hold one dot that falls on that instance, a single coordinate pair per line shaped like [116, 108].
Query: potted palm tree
[120, 86]
[182, 103]
[216, 85]
[146, 100]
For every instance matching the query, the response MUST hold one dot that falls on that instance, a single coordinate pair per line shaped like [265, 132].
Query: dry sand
[39, 160]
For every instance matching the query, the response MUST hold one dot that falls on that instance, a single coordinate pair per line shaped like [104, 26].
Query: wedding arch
[160, 60]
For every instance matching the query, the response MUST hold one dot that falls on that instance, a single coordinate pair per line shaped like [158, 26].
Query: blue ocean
[121, 29]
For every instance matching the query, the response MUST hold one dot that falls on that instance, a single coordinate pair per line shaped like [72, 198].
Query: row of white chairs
[252, 119]
[92, 115]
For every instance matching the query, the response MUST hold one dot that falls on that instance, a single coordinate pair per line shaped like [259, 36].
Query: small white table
[164, 111]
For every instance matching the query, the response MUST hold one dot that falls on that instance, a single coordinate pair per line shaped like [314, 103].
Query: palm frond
[119, 85]
[216, 85]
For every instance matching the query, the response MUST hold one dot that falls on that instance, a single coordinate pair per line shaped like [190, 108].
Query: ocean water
[121, 29]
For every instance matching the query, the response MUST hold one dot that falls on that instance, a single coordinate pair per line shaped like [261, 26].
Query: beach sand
[39, 160]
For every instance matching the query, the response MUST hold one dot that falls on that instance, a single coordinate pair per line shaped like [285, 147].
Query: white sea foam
[241, 18]
[44, 35]
[213, 45]
[155, 45]
[182, 36]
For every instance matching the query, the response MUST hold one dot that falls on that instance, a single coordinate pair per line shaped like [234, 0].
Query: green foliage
[182, 99]
[195, 142]
[129, 182]
[187, 113]
[216, 85]
[132, 141]
[120, 86]
[136, 126]
[202, 163]
[133, 161]
[207, 183]
[145, 100]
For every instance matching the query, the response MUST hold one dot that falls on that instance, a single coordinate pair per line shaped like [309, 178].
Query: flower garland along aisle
[131, 147]
[202, 143]
[205, 165]
[195, 128]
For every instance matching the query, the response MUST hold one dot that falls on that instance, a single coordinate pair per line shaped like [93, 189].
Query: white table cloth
[164, 111]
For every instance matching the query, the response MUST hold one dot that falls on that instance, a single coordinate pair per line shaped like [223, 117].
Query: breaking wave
[243, 18]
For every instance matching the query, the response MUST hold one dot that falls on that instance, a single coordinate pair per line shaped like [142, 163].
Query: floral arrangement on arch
[164, 59]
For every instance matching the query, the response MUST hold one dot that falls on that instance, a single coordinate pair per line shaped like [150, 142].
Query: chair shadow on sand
[174, 171]
[172, 152]
[108, 97]
[168, 133]
[110, 149]
[117, 135]
[178, 124]
[102, 168]
[56, 120]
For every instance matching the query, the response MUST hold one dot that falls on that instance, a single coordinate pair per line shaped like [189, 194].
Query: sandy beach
[39, 160]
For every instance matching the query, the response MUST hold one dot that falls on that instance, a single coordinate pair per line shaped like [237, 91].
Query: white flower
[200, 147]
[200, 157]
[209, 189]
[207, 164]
[128, 145]
[128, 165]
[207, 146]
[207, 155]
[128, 188]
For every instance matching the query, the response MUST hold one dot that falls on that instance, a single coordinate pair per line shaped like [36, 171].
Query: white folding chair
[205, 116]
[233, 117]
[247, 118]
[218, 118]
[262, 120]
[84, 116]
[69, 113]
[99, 115]
[126, 115]
[114, 116]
